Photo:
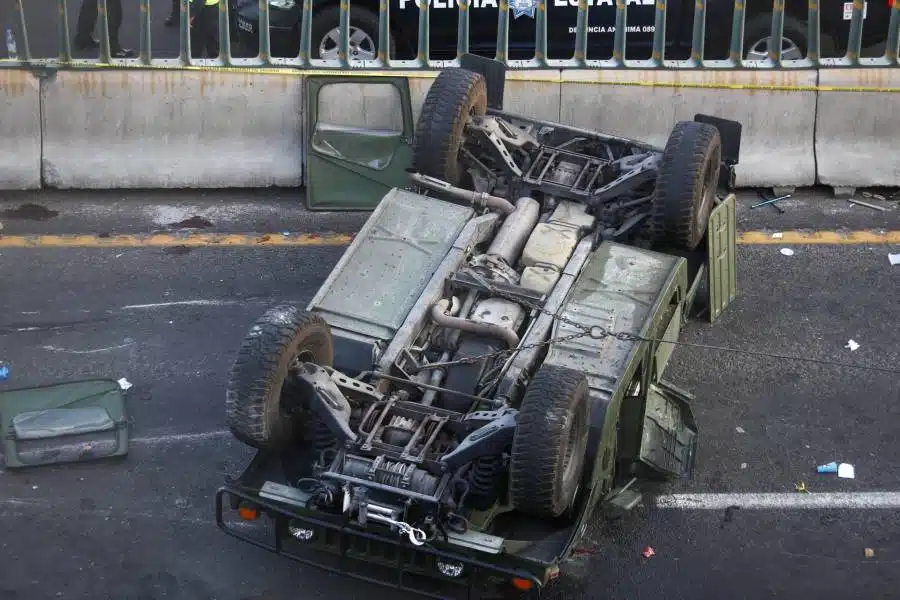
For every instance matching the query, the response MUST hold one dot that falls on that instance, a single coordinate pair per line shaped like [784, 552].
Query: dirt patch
[194, 222]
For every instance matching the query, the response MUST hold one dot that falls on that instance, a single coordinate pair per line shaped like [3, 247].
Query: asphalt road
[142, 528]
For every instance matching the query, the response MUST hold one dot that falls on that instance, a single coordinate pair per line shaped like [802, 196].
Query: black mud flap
[494, 73]
[68, 422]
[730, 132]
[669, 435]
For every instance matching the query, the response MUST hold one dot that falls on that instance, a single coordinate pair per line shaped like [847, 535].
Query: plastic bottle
[11, 44]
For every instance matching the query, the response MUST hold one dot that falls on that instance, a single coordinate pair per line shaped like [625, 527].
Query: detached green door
[358, 140]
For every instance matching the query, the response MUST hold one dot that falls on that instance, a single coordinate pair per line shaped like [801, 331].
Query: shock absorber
[483, 481]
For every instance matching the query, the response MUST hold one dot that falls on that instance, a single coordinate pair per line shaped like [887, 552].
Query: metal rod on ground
[772, 201]
[866, 204]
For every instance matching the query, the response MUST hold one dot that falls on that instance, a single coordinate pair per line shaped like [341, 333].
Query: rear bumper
[389, 562]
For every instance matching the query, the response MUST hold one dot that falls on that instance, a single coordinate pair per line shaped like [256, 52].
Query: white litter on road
[852, 345]
[782, 501]
[787, 251]
[894, 259]
[180, 303]
[124, 384]
[740, 430]
[846, 471]
[778, 235]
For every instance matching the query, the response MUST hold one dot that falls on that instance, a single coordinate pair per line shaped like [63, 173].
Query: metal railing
[690, 53]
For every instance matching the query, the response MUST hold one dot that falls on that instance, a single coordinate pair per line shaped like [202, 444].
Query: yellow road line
[164, 240]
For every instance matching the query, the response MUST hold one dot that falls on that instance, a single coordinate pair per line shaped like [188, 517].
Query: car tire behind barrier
[327, 19]
[548, 452]
[759, 27]
[455, 95]
[686, 185]
[259, 407]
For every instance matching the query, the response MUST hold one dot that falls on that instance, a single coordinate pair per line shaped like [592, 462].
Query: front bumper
[390, 562]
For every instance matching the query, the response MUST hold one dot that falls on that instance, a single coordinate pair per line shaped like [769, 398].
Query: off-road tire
[455, 95]
[686, 185]
[548, 451]
[254, 409]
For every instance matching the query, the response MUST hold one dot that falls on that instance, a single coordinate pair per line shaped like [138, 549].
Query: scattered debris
[869, 553]
[124, 384]
[846, 471]
[778, 235]
[34, 487]
[894, 259]
[787, 251]
[648, 552]
[801, 488]
[866, 204]
[831, 467]
[771, 201]
[4, 371]
[852, 345]
[871, 195]
[729, 513]
[744, 465]
[740, 429]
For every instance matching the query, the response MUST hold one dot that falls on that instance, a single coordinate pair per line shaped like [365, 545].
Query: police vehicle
[285, 17]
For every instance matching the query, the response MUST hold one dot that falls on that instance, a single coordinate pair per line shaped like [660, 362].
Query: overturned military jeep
[482, 372]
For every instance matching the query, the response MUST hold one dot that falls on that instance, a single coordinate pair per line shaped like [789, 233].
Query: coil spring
[324, 442]
[483, 479]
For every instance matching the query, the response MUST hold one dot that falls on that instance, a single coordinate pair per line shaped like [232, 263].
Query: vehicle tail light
[248, 513]
[522, 584]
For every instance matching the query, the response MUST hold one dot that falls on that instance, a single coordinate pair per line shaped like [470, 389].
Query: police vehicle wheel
[547, 457]
[686, 185]
[454, 97]
[260, 408]
[794, 38]
[363, 34]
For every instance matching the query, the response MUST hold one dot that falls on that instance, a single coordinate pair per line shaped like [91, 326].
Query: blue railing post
[344, 31]
[699, 33]
[814, 33]
[306, 34]
[736, 52]
[264, 33]
[184, 33]
[502, 53]
[105, 50]
[462, 29]
[892, 46]
[65, 45]
[854, 41]
[384, 33]
[224, 33]
[422, 55]
[145, 54]
[659, 34]
[774, 52]
[581, 33]
[618, 57]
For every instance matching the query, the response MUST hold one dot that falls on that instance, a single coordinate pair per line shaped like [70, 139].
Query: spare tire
[547, 457]
[455, 95]
[686, 185]
[261, 408]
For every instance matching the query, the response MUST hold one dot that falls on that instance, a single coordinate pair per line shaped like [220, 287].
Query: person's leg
[212, 31]
[115, 23]
[84, 30]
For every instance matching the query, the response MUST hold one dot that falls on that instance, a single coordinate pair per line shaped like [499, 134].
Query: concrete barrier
[20, 130]
[172, 129]
[779, 125]
[858, 132]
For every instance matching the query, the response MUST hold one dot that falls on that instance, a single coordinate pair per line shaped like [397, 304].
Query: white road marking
[181, 438]
[781, 501]
[94, 351]
[181, 303]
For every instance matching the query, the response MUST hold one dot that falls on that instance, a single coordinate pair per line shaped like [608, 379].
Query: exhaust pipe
[439, 316]
[478, 199]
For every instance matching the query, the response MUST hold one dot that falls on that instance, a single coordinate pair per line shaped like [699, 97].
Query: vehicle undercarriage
[453, 379]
